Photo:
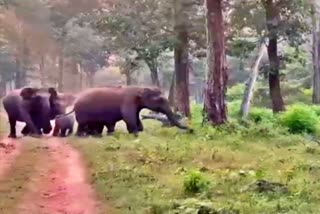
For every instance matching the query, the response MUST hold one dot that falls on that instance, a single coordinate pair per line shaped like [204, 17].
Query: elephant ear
[28, 93]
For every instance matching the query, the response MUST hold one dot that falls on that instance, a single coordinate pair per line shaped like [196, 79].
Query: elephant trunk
[173, 120]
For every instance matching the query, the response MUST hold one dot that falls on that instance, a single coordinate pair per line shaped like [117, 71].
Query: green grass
[146, 174]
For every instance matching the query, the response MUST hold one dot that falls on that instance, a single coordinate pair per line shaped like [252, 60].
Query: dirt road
[59, 184]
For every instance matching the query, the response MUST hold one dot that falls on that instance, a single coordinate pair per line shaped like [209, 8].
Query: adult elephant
[110, 105]
[36, 107]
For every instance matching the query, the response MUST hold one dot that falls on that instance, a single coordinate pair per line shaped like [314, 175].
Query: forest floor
[43, 176]
[124, 174]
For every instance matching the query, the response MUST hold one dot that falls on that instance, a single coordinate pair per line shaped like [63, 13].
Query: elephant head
[43, 106]
[153, 99]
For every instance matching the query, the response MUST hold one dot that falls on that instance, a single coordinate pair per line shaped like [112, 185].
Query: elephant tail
[62, 115]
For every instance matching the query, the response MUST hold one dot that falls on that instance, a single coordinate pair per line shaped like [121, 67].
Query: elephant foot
[11, 135]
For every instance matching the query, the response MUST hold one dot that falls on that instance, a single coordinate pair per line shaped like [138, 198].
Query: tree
[315, 52]
[181, 58]
[249, 91]
[215, 94]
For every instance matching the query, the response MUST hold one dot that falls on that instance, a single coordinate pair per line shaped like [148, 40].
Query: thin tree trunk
[249, 91]
[80, 72]
[181, 60]
[152, 64]
[315, 55]
[3, 89]
[215, 97]
[61, 74]
[42, 72]
[18, 76]
[272, 17]
[171, 91]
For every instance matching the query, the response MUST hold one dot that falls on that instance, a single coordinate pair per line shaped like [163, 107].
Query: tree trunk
[80, 72]
[181, 60]
[42, 72]
[315, 55]
[272, 17]
[61, 74]
[3, 89]
[171, 91]
[249, 91]
[153, 66]
[215, 95]
[18, 75]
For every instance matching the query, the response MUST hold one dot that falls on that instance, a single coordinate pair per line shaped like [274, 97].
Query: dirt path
[62, 185]
[59, 185]
[9, 150]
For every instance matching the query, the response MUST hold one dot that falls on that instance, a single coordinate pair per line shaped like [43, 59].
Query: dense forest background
[264, 52]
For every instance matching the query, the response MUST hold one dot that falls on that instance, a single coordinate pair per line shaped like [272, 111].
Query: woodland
[245, 74]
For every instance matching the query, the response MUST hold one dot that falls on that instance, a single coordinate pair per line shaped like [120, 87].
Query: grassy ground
[146, 174]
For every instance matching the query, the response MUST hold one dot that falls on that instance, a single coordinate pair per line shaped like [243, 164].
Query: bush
[258, 115]
[300, 119]
[236, 92]
[234, 108]
[195, 182]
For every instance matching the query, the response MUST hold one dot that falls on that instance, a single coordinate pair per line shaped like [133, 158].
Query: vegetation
[245, 73]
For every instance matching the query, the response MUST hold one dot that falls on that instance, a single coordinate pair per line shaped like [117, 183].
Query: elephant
[34, 106]
[96, 129]
[63, 124]
[110, 105]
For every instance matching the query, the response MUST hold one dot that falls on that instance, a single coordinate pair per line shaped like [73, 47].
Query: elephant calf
[63, 124]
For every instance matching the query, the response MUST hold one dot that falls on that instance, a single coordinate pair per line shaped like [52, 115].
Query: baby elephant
[63, 124]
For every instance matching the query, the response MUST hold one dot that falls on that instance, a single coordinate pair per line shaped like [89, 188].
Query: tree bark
[171, 91]
[249, 91]
[272, 16]
[153, 66]
[42, 72]
[181, 61]
[315, 55]
[61, 74]
[18, 75]
[80, 72]
[215, 95]
[3, 89]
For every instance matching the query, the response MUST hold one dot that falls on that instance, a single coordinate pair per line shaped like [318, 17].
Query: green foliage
[236, 92]
[234, 108]
[242, 48]
[195, 182]
[300, 118]
[259, 115]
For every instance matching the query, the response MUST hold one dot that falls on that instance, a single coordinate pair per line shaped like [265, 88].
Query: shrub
[234, 108]
[236, 92]
[300, 119]
[258, 115]
[195, 182]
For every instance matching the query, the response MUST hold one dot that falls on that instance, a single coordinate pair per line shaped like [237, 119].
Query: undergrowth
[166, 170]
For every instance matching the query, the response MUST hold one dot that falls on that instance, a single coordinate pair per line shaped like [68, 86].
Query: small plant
[300, 119]
[195, 182]
[258, 115]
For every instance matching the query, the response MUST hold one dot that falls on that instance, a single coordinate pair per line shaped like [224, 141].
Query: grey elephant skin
[34, 106]
[64, 125]
[109, 105]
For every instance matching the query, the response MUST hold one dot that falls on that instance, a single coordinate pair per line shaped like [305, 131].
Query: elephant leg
[140, 125]
[25, 130]
[56, 131]
[110, 128]
[12, 128]
[81, 131]
[63, 132]
[70, 131]
[130, 118]
[97, 129]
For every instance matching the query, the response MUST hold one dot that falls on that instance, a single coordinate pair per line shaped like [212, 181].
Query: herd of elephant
[93, 109]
